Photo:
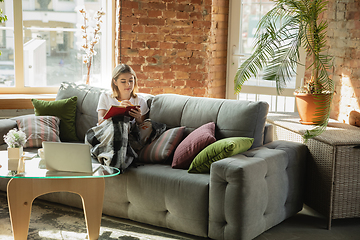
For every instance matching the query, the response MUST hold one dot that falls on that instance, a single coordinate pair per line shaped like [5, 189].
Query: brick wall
[344, 45]
[175, 46]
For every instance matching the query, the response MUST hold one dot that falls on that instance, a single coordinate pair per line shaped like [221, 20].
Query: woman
[124, 88]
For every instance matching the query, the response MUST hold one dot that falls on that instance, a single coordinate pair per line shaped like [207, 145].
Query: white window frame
[108, 60]
[233, 57]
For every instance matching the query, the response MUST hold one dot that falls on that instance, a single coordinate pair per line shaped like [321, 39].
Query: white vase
[14, 154]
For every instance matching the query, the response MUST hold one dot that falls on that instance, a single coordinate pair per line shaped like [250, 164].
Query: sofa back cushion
[87, 101]
[233, 118]
[88, 98]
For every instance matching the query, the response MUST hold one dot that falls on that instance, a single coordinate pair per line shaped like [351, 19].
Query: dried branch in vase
[90, 39]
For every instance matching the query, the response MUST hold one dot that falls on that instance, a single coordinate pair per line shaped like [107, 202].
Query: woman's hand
[125, 103]
[136, 113]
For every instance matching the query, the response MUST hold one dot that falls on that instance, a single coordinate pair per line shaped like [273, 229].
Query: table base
[21, 193]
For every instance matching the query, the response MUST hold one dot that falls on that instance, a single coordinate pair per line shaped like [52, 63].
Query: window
[244, 17]
[43, 48]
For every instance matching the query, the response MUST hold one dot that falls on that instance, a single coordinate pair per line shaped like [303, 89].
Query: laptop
[73, 157]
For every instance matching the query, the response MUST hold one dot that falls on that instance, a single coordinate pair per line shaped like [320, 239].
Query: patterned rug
[53, 221]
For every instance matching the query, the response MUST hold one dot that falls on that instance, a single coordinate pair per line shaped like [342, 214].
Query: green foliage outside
[3, 17]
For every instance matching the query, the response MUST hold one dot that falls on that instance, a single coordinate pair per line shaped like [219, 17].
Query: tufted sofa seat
[241, 197]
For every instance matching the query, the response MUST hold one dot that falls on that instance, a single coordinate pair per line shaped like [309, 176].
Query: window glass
[7, 69]
[251, 13]
[53, 40]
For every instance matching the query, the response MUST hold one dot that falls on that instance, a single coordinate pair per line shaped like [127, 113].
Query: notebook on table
[73, 157]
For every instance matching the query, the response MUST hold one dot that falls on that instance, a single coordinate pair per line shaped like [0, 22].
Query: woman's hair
[118, 70]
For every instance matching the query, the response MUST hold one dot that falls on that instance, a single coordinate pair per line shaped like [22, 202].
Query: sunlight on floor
[68, 235]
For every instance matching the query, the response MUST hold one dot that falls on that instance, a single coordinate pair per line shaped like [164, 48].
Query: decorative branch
[91, 39]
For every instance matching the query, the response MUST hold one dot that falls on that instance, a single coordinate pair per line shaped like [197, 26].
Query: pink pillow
[196, 141]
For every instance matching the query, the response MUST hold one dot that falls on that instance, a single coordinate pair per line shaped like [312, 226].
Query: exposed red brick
[154, 13]
[151, 60]
[180, 61]
[175, 45]
[199, 92]
[191, 46]
[184, 68]
[137, 60]
[138, 29]
[150, 37]
[196, 2]
[196, 76]
[152, 44]
[137, 44]
[201, 24]
[126, 27]
[164, 45]
[169, 75]
[179, 83]
[130, 20]
[169, 14]
[182, 15]
[179, 45]
[153, 5]
[130, 4]
[126, 44]
[152, 21]
[151, 29]
[181, 75]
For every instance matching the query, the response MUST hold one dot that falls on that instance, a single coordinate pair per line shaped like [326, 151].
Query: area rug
[55, 221]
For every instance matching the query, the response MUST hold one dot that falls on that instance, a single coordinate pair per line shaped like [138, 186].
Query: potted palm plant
[281, 34]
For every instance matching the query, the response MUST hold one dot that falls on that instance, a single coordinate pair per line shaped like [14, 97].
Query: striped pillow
[39, 129]
[160, 149]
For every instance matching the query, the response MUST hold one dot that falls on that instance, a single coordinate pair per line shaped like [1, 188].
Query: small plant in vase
[15, 139]
[91, 39]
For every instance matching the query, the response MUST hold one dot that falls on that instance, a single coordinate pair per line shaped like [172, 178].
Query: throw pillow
[223, 148]
[159, 150]
[39, 129]
[64, 109]
[196, 141]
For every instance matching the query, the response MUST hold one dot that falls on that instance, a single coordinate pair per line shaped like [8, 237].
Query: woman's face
[125, 83]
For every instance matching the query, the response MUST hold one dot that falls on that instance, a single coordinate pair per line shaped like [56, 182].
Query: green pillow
[218, 150]
[64, 109]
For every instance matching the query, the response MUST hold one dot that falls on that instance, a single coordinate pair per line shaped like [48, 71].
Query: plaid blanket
[109, 143]
[113, 144]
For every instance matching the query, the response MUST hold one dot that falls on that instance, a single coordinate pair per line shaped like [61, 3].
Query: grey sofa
[243, 195]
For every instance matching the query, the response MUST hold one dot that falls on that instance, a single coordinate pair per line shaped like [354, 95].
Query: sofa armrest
[5, 126]
[268, 133]
[255, 190]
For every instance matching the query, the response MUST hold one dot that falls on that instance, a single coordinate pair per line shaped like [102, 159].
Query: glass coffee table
[24, 187]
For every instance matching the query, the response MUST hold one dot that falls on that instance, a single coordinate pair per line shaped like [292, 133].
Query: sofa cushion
[65, 110]
[196, 141]
[5, 126]
[162, 196]
[224, 148]
[88, 98]
[233, 118]
[39, 129]
[159, 150]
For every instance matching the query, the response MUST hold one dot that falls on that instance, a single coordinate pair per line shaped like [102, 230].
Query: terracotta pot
[307, 105]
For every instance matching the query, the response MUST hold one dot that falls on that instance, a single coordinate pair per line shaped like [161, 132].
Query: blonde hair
[118, 70]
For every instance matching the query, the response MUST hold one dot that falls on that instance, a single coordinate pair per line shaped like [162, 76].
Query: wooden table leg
[21, 193]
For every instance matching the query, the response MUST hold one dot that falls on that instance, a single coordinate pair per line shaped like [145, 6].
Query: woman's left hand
[136, 113]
